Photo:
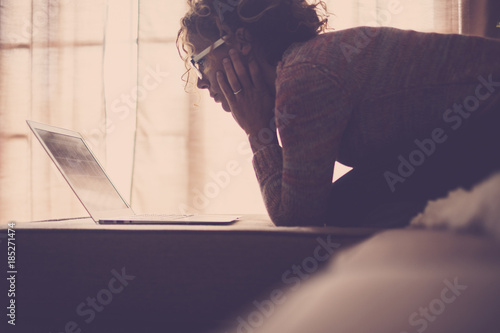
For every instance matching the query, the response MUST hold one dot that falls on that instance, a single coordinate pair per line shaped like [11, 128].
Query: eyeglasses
[197, 60]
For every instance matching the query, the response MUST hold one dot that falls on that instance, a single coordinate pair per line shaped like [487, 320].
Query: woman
[408, 111]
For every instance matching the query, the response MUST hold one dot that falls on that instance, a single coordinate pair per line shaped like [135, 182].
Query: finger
[256, 75]
[240, 69]
[225, 87]
[231, 75]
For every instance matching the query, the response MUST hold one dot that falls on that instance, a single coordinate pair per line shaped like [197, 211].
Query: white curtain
[481, 17]
[51, 62]
[110, 69]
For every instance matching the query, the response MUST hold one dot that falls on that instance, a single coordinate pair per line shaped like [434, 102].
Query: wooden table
[77, 276]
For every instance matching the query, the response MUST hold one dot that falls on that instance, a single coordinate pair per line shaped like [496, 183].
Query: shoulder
[331, 47]
[344, 47]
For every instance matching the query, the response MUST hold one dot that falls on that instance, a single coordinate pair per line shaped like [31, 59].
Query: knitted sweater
[348, 95]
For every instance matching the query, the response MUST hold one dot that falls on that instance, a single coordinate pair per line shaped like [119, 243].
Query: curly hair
[273, 24]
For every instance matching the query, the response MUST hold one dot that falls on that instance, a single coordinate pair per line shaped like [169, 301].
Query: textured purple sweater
[347, 95]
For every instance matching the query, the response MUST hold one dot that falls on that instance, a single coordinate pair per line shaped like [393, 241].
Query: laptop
[95, 190]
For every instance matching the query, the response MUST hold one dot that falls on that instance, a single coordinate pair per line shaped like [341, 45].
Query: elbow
[296, 220]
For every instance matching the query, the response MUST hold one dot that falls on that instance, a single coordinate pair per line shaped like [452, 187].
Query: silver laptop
[85, 175]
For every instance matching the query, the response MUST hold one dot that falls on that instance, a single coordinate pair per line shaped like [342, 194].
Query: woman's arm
[311, 113]
[312, 110]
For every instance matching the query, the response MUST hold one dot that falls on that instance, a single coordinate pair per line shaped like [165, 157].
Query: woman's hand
[250, 99]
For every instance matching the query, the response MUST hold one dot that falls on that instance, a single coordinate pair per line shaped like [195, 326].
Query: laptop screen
[83, 172]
